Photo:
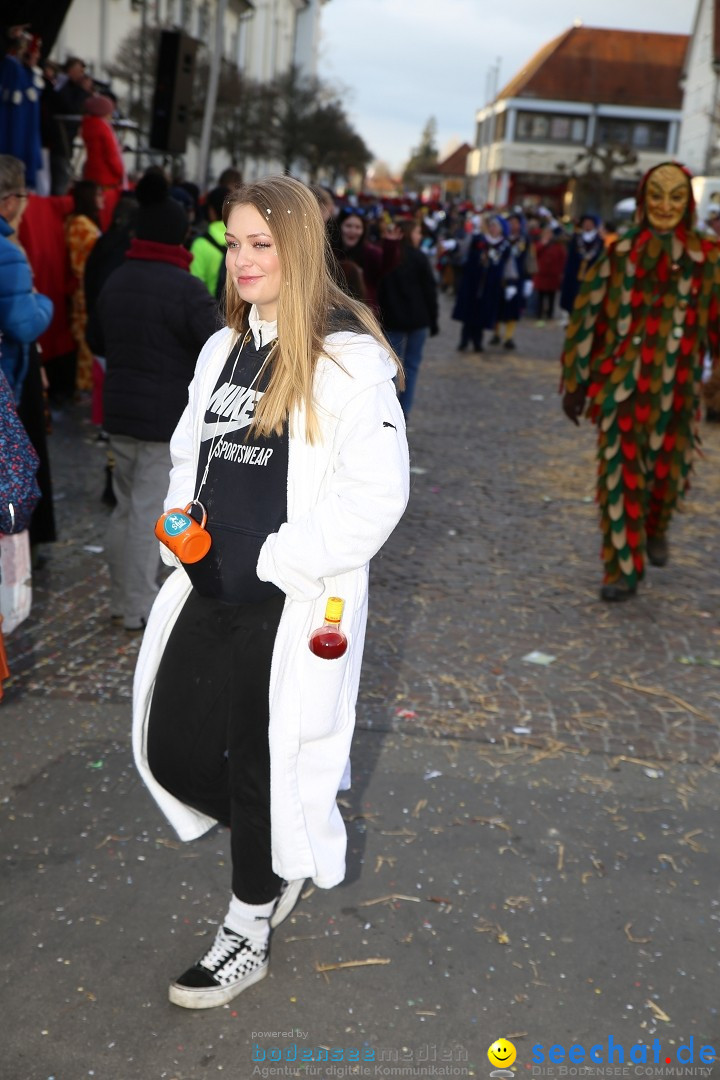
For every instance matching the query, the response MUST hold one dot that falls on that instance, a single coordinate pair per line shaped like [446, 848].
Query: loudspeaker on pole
[172, 98]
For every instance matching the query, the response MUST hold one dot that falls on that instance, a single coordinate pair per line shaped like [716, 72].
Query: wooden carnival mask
[666, 197]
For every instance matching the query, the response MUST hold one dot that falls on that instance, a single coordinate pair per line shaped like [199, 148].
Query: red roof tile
[609, 67]
[454, 164]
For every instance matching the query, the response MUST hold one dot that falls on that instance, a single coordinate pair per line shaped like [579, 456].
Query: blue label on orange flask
[175, 524]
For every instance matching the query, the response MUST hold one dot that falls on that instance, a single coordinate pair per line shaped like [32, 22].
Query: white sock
[250, 920]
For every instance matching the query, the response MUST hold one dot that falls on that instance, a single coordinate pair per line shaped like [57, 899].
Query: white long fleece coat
[345, 496]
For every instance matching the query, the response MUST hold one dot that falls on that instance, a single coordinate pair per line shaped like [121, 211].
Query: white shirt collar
[263, 332]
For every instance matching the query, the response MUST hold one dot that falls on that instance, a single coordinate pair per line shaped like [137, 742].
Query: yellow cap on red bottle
[334, 609]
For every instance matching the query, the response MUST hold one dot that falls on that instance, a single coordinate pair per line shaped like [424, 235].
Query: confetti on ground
[370, 962]
[635, 940]
[537, 657]
[657, 1011]
[391, 898]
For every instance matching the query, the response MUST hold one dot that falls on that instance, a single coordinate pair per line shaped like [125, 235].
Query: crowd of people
[257, 401]
[52, 117]
[100, 233]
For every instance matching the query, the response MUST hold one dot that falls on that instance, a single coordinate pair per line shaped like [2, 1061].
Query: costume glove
[510, 291]
[573, 403]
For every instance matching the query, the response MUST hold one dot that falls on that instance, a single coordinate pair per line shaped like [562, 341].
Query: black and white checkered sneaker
[229, 966]
[286, 901]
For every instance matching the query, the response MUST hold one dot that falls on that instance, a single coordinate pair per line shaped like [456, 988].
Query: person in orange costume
[82, 230]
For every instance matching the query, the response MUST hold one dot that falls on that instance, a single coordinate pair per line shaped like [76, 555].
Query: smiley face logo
[502, 1054]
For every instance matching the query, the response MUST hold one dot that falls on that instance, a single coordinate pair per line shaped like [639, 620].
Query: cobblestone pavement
[495, 559]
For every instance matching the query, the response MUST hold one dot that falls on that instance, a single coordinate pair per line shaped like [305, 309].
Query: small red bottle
[328, 640]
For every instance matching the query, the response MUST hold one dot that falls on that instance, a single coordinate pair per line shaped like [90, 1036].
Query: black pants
[546, 303]
[471, 332]
[208, 727]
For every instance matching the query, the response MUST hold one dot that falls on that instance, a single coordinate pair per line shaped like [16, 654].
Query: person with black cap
[151, 319]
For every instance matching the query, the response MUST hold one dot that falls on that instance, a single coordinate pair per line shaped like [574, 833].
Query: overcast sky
[403, 61]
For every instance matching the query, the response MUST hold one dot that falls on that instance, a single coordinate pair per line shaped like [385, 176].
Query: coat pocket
[323, 694]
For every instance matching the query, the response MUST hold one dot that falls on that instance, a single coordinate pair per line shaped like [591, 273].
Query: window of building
[185, 14]
[614, 131]
[578, 129]
[560, 129]
[500, 121]
[541, 127]
[170, 11]
[550, 127]
[640, 134]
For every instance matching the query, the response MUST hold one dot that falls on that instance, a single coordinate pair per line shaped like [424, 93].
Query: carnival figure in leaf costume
[646, 314]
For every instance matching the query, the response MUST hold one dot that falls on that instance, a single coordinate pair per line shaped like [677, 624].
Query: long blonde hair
[308, 297]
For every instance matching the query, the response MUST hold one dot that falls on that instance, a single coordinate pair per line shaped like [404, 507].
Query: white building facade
[587, 93]
[262, 38]
[540, 138]
[700, 126]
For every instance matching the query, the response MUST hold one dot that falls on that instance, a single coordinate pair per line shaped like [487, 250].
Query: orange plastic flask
[180, 533]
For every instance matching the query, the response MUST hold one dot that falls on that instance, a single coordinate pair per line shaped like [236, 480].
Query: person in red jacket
[551, 254]
[103, 163]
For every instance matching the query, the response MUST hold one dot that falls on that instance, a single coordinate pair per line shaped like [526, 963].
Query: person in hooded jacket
[407, 297]
[646, 315]
[294, 444]
[149, 322]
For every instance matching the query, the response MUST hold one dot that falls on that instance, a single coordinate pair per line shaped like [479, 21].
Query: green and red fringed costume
[645, 315]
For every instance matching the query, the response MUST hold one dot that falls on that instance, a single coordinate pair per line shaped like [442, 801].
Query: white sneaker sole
[289, 899]
[188, 997]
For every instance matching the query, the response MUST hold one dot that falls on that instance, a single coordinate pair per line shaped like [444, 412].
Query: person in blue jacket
[24, 313]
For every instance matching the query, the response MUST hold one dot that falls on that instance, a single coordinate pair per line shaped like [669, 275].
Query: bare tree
[136, 55]
[595, 172]
[296, 119]
[332, 145]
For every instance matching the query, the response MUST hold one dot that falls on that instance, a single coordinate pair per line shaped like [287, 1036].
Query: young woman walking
[294, 443]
